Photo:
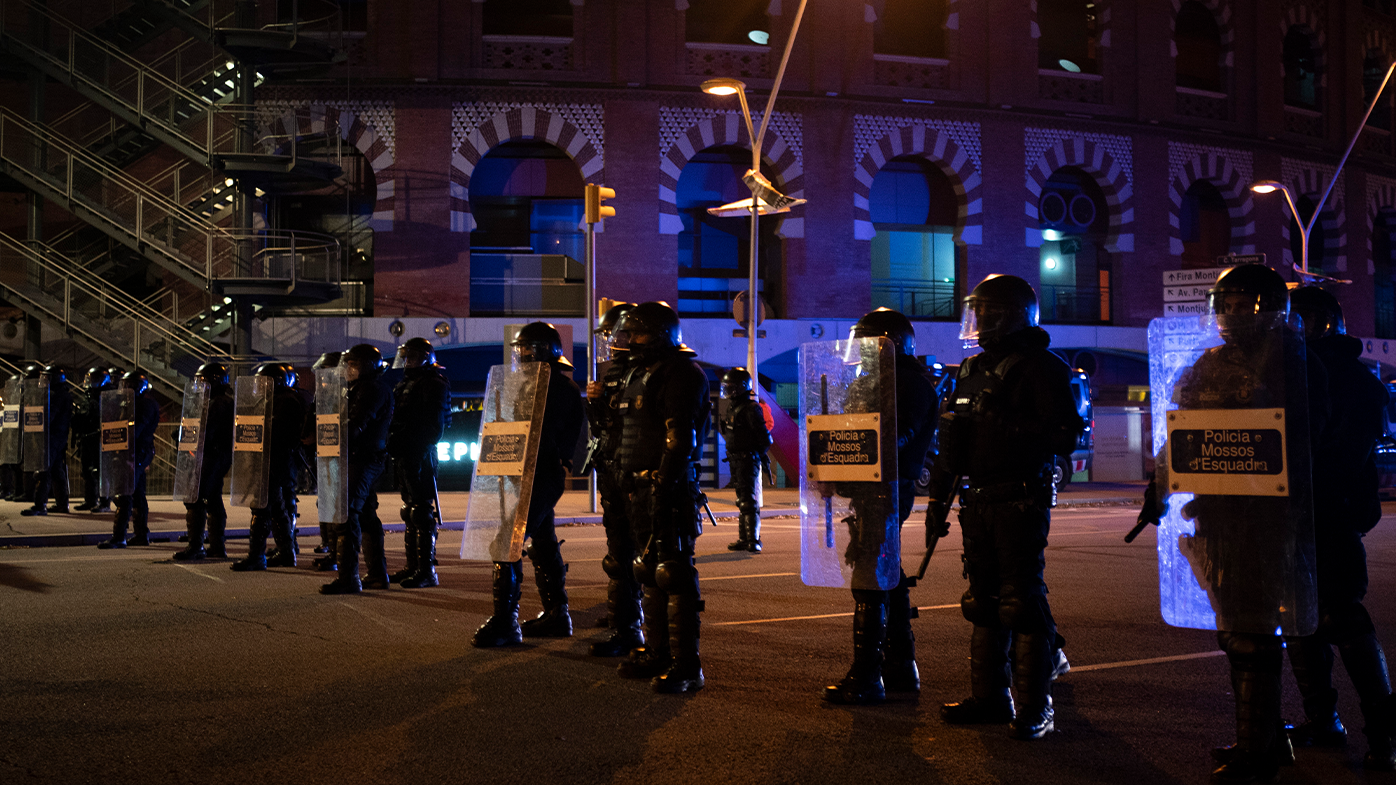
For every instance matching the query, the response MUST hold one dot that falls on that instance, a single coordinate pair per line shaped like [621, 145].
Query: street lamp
[765, 200]
[1270, 186]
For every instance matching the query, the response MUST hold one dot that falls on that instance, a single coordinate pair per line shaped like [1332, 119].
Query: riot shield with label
[331, 451]
[9, 422]
[189, 458]
[849, 524]
[35, 419]
[251, 434]
[502, 483]
[1230, 410]
[117, 468]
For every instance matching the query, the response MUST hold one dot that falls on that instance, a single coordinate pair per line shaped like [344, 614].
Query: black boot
[1366, 665]
[502, 629]
[103, 505]
[330, 561]
[863, 684]
[347, 562]
[410, 546]
[743, 540]
[1311, 659]
[118, 526]
[283, 531]
[685, 672]
[899, 672]
[424, 569]
[651, 659]
[990, 700]
[623, 606]
[35, 510]
[217, 548]
[1032, 676]
[256, 559]
[753, 533]
[550, 574]
[375, 561]
[1256, 756]
[140, 527]
[194, 524]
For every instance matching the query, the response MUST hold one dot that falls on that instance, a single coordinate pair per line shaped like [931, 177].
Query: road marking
[380, 620]
[759, 575]
[1202, 655]
[821, 616]
[200, 574]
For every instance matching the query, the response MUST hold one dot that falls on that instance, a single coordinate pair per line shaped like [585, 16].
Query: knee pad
[614, 569]
[978, 611]
[406, 512]
[645, 572]
[679, 576]
[1250, 652]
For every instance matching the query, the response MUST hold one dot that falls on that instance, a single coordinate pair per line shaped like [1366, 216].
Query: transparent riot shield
[1230, 412]
[35, 418]
[117, 469]
[189, 459]
[502, 483]
[9, 422]
[251, 433]
[331, 452]
[849, 526]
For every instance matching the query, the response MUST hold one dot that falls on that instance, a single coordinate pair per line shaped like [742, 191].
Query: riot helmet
[539, 342]
[216, 374]
[999, 306]
[274, 371]
[1320, 310]
[33, 371]
[417, 352]
[362, 359]
[889, 324]
[1247, 300]
[327, 360]
[650, 329]
[736, 383]
[135, 380]
[97, 379]
[55, 373]
[291, 376]
[114, 378]
[611, 342]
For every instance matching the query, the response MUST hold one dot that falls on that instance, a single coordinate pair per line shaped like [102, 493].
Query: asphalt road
[125, 667]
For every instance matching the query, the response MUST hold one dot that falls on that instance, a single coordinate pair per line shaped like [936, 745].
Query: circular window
[1052, 207]
[1082, 210]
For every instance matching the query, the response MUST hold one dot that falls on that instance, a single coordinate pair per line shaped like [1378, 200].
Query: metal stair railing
[146, 220]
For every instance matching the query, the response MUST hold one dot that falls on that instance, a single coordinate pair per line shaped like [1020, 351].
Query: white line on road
[380, 620]
[738, 577]
[821, 616]
[1202, 655]
[200, 574]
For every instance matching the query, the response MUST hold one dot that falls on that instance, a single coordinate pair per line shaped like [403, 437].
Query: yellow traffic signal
[594, 195]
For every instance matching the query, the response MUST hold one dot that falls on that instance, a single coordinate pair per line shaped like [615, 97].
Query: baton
[935, 540]
[703, 498]
[1148, 514]
[828, 500]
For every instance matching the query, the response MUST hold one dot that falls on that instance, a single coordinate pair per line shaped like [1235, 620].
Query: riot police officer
[603, 414]
[1011, 414]
[744, 430]
[10, 476]
[562, 425]
[60, 417]
[884, 646]
[217, 460]
[86, 436]
[664, 419]
[276, 518]
[328, 531]
[421, 406]
[1346, 507]
[369, 412]
[134, 509]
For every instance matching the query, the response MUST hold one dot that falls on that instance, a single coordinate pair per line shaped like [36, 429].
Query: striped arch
[1383, 198]
[941, 151]
[728, 129]
[321, 119]
[1102, 10]
[1107, 173]
[1217, 170]
[1312, 22]
[1311, 183]
[528, 122]
[1221, 9]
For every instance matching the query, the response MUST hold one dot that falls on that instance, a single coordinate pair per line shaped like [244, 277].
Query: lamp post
[1305, 228]
[759, 206]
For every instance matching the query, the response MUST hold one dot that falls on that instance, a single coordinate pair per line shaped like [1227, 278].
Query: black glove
[937, 520]
[1150, 513]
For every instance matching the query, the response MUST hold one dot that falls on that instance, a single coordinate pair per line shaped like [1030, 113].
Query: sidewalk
[167, 517]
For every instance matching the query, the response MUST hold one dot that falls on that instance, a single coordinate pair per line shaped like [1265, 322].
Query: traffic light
[594, 195]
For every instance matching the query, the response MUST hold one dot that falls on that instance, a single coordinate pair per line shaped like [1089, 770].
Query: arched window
[915, 259]
[910, 28]
[1384, 280]
[527, 247]
[715, 253]
[1075, 221]
[1199, 42]
[1205, 226]
[551, 18]
[727, 22]
[1317, 235]
[1374, 67]
[1069, 36]
[1301, 69]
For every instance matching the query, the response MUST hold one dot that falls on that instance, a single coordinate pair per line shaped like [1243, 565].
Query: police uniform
[209, 509]
[744, 431]
[55, 477]
[135, 509]
[421, 405]
[622, 589]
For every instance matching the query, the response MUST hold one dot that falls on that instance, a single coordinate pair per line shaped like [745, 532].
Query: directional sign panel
[1188, 293]
[1204, 277]
[1192, 308]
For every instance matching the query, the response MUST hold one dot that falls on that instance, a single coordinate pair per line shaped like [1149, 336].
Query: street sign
[1205, 276]
[1233, 259]
[1192, 308]
[1189, 293]
[739, 309]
